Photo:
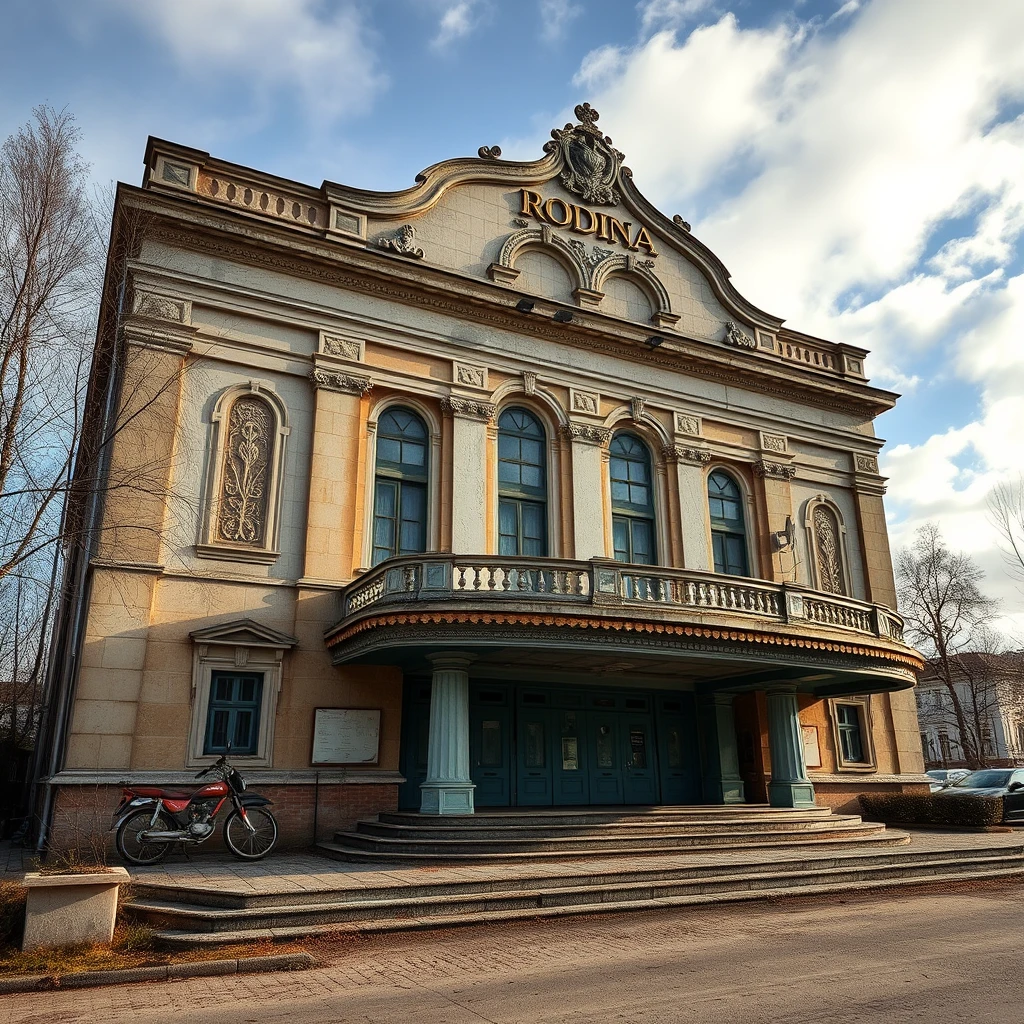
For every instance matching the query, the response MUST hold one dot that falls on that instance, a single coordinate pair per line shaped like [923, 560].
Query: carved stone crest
[471, 376]
[866, 463]
[591, 164]
[334, 345]
[584, 401]
[402, 243]
[734, 336]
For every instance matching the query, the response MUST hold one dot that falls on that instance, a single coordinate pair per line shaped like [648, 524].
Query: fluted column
[447, 788]
[721, 777]
[790, 786]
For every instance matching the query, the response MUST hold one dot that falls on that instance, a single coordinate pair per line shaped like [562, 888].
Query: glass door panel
[606, 758]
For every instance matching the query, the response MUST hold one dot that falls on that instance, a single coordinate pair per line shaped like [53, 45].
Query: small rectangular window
[850, 723]
[233, 714]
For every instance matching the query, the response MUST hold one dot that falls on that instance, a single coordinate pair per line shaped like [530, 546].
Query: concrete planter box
[64, 910]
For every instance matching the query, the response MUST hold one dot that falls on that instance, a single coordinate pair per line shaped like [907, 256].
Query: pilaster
[790, 786]
[775, 470]
[721, 776]
[470, 418]
[686, 463]
[447, 788]
[587, 487]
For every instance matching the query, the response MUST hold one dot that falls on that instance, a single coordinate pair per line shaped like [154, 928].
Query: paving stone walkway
[313, 873]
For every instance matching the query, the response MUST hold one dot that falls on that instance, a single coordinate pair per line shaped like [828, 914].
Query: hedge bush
[928, 809]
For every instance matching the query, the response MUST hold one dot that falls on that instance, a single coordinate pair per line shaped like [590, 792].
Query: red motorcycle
[150, 820]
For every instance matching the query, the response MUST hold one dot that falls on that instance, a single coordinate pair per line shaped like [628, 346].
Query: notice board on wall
[812, 752]
[346, 736]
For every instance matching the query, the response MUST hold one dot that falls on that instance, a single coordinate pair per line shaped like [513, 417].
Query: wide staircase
[403, 871]
[491, 836]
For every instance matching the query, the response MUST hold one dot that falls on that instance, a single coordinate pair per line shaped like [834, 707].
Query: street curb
[168, 972]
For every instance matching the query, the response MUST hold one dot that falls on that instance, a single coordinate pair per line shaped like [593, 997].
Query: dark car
[943, 777]
[1005, 782]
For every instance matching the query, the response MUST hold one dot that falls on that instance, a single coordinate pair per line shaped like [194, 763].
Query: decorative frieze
[586, 433]
[243, 501]
[865, 463]
[336, 380]
[683, 453]
[774, 470]
[687, 424]
[469, 408]
[774, 443]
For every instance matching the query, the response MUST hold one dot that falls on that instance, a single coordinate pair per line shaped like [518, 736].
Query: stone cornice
[468, 408]
[214, 230]
[347, 383]
[586, 433]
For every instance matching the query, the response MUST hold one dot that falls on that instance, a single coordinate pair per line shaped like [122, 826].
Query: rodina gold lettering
[582, 221]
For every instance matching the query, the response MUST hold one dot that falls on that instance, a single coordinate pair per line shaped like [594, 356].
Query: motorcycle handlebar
[219, 763]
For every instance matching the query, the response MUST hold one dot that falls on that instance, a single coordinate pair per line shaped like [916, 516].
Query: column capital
[469, 408]
[686, 453]
[336, 380]
[586, 433]
[442, 660]
[778, 470]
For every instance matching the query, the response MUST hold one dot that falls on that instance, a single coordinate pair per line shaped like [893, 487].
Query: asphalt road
[948, 957]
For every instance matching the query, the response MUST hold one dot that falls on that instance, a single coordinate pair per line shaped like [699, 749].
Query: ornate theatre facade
[489, 492]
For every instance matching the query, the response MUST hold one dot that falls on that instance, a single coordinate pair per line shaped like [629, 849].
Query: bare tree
[947, 616]
[1006, 510]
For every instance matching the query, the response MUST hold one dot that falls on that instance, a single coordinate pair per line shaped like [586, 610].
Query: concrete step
[479, 830]
[189, 925]
[596, 815]
[357, 845]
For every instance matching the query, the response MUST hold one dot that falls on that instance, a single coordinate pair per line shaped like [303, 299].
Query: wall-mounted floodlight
[654, 341]
[782, 540]
[563, 316]
[525, 305]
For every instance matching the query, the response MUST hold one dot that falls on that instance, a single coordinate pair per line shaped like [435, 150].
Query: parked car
[1005, 782]
[943, 777]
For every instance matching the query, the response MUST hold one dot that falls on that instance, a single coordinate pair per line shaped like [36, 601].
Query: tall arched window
[632, 500]
[522, 485]
[400, 488]
[728, 526]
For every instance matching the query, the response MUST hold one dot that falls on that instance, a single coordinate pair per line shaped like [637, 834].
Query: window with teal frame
[400, 488]
[728, 526]
[233, 714]
[522, 484]
[629, 468]
[850, 726]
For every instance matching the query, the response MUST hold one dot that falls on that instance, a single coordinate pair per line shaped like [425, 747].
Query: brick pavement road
[887, 957]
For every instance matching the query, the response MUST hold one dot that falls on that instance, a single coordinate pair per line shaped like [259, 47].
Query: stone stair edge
[441, 899]
[176, 937]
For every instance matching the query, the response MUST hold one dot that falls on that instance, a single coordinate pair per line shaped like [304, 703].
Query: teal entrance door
[678, 758]
[571, 778]
[639, 778]
[490, 758]
[606, 758]
[533, 760]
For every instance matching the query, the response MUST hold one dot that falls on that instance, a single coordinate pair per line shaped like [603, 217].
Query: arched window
[728, 528]
[522, 485]
[400, 489]
[632, 500]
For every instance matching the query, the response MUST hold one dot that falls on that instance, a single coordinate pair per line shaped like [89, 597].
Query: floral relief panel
[244, 489]
[828, 551]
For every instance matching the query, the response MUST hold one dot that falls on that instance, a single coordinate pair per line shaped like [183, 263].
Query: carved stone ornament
[682, 453]
[686, 424]
[774, 442]
[334, 345]
[161, 307]
[778, 470]
[827, 551]
[585, 433]
[591, 165]
[529, 382]
[335, 380]
[402, 243]
[243, 498]
[866, 463]
[471, 376]
[636, 408]
[734, 336]
[596, 254]
[489, 152]
[585, 401]
[680, 223]
[469, 408]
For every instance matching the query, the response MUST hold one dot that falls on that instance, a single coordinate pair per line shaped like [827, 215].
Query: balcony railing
[439, 578]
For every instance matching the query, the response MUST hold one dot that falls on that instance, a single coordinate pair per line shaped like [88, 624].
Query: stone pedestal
[790, 786]
[447, 788]
[65, 910]
[721, 776]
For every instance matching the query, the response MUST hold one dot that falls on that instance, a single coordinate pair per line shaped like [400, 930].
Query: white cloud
[658, 15]
[326, 56]
[457, 21]
[555, 18]
[866, 184]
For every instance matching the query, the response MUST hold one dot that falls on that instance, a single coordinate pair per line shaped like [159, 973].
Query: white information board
[346, 736]
[812, 753]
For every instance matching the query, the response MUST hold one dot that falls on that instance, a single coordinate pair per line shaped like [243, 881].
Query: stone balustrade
[440, 578]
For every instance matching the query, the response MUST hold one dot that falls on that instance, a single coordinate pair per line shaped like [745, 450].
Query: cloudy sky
[858, 165]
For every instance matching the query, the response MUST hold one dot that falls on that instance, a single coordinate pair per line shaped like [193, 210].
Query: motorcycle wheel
[251, 845]
[131, 848]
